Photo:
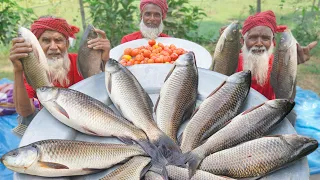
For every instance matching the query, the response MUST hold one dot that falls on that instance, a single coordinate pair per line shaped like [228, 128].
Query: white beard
[150, 33]
[258, 64]
[59, 68]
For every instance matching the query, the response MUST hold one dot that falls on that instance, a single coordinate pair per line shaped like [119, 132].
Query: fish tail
[161, 170]
[193, 163]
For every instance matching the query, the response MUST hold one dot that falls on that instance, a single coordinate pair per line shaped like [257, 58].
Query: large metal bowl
[45, 126]
[203, 57]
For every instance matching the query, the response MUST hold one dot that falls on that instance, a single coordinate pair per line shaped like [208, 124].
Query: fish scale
[216, 110]
[177, 96]
[131, 170]
[95, 118]
[35, 65]
[56, 158]
[258, 157]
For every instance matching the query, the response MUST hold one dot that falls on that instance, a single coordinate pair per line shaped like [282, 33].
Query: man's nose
[259, 42]
[53, 45]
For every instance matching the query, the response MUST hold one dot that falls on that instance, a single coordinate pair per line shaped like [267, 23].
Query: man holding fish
[152, 13]
[53, 36]
[258, 44]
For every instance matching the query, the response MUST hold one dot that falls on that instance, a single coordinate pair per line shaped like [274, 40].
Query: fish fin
[193, 164]
[179, 139]
[156, 105]
[90, 131]
[214, 91]
[60, 109]
[145, 170]
[102, 66]
[52, 165]
[287, 58]
[252, 109]
[126, 140]
[220, 48]
[91, 169]
[78, 67]
[194, 112]
[170, 72]
[20, 129]
[109, 83]
[251, 178]
[149, 99]
[160, 170]
[36, 53]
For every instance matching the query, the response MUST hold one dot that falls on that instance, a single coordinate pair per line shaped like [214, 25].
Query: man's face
[260, 36]
[257, 48]
[152, 15]
[54, 44]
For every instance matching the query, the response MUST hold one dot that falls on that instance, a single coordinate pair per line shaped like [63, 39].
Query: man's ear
[274, 41]
[68, 43]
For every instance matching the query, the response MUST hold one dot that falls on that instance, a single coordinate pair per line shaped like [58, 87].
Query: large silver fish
[178, 95]
[134, 169]
[251, 124]
[88, 115]
[226, 54]
[35, 65]
[55, 158]
[219, 107]
[134, 104]
[89, 60]
[259, 157]
[284, 67]
[178, 173]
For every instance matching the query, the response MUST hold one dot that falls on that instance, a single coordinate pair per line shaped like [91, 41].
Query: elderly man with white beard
[152, 14]
[53, 35]
[258, 43]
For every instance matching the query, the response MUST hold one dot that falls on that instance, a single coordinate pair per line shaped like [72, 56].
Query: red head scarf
[161, 3]
[266, 18]
[54, 24]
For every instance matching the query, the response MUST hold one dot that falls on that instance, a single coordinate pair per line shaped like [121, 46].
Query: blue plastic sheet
[8, 140]
[308, 122]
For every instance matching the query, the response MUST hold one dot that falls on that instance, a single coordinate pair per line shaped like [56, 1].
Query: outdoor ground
[220, 13]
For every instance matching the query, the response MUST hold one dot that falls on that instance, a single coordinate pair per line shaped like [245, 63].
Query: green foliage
[183, 21]
[11, 16]
[115, 17]
[307, 28]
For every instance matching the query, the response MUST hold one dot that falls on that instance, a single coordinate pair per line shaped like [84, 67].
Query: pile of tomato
[152, 53]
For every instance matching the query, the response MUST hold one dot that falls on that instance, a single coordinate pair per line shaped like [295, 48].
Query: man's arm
[24, 105]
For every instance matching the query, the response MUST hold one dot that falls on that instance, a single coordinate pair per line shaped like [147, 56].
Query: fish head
[285, 105]
[187, 59]
[286, 40]
[232, 32]
[302, 145]
[240, 77]
[90, 32]
[112, 66]
[21, 158]
[47, 93]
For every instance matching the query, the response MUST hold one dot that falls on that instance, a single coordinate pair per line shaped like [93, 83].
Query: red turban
[54, 24]
[266, 18]
[161, 3]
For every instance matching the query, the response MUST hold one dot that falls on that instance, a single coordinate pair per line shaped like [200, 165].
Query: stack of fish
[218, 142]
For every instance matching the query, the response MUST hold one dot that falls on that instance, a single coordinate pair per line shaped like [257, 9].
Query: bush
[11, 16]
[115, 17]
[183, 21]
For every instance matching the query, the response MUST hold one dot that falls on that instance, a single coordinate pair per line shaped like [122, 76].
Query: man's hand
[19, 49]
[304, 52]
[101, 43]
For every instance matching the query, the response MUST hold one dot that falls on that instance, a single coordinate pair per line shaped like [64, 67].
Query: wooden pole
[258, 6]
[83, 19]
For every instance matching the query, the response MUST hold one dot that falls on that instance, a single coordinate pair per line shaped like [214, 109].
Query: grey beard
[150, 33]
[59, 69]
[258, 64]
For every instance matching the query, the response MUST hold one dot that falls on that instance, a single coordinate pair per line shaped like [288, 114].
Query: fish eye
[14, 154]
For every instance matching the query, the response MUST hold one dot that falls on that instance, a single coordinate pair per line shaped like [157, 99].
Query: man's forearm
[22, 102]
